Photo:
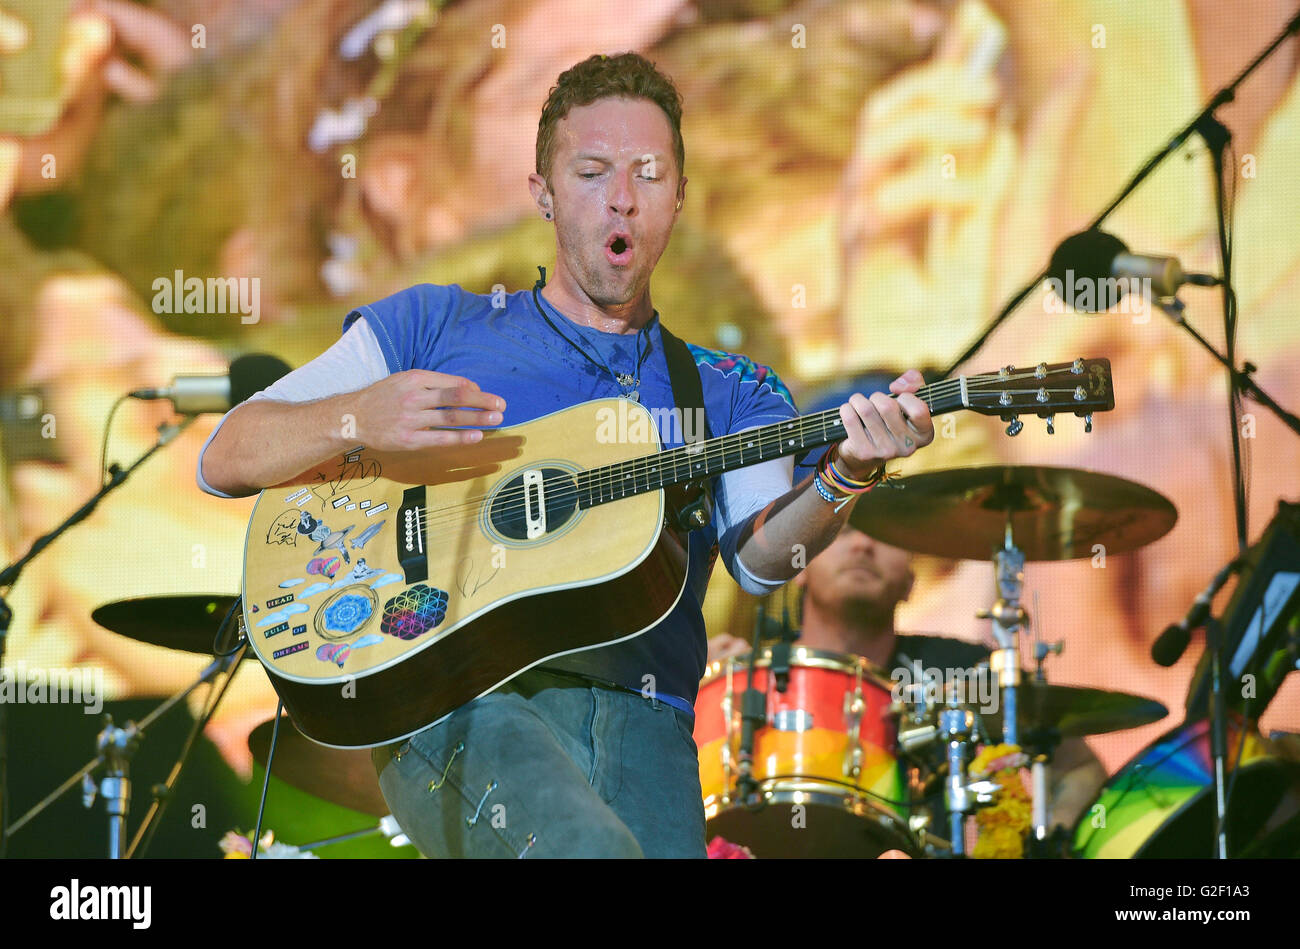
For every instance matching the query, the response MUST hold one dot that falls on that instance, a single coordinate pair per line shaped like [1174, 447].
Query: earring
[548, 215]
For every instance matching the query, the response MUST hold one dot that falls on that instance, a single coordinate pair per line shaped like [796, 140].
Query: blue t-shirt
[509, 349]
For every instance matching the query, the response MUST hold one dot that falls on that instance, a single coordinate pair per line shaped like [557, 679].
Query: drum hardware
[826, 779]
[188, 622]
[1054, 513]
[956, 725]
[387, 826]
[854, 706]
[753, 715]
[115, 748]
[342, 776]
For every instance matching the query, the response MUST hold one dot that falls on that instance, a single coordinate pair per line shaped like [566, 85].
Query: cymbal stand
[1008, 617]
[955, 724]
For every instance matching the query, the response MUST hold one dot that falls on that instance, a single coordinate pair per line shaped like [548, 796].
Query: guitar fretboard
[703, 459]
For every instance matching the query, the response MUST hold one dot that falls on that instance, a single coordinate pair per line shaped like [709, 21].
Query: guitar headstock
[1081, 387]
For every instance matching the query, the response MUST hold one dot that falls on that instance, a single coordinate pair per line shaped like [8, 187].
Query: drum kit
[806, 753]
[809, 753]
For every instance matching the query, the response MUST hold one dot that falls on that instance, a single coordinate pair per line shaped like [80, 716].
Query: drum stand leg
[955, 724]
[1039, 772]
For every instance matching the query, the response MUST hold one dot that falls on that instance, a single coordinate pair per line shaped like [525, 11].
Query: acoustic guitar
[384, 591]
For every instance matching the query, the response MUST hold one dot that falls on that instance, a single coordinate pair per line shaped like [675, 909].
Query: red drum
[829, 784]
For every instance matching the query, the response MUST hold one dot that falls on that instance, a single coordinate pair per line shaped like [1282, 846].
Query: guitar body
[382, 592]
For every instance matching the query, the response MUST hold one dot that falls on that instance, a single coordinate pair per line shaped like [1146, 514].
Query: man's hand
[725, 646]
[423, 409]
[880, 428]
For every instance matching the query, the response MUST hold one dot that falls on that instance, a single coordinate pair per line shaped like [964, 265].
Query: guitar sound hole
[510, 517]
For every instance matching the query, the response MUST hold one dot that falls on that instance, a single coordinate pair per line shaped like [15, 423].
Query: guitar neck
[714, 456]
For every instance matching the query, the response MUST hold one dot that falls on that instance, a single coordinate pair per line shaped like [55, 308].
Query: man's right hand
[266, 442]
[422, 409]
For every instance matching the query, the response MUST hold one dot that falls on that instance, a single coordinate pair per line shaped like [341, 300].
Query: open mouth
[618, 249]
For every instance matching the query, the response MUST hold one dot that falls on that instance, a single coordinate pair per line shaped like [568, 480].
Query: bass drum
[829, 781]
[1161, 804]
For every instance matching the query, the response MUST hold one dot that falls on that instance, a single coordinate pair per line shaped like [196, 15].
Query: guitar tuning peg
[1087, 422]
[1015, 427]
[1051, 424]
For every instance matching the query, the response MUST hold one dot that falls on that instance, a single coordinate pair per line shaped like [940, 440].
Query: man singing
[581, 762]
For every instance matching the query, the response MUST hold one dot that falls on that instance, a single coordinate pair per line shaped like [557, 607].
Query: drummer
[850, 592]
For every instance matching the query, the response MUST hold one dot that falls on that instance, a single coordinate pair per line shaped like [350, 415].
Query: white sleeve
[352, 363]
[741, 494]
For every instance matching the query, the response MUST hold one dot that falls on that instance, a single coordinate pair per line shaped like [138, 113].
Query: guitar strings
[607, 484]
[606, 479]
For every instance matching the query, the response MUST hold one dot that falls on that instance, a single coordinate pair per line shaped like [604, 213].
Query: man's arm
[1077, 777]
[800, 524]
[302, 419]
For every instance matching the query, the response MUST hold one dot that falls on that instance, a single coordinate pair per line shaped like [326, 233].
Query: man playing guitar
[589, 754]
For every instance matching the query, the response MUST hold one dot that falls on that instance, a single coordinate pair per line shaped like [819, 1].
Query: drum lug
[854, 705]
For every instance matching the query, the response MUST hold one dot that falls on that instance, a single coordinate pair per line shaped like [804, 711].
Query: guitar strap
[688, 396]
[684, 377]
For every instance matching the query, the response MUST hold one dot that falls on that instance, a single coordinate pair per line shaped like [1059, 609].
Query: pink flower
[721, 849]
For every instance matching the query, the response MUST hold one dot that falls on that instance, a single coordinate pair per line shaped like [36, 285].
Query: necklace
[629, 382]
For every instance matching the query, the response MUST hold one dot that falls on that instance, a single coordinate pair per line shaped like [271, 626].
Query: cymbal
[1054, 513]
[342, 776]
[187, 622]
[1073, 711]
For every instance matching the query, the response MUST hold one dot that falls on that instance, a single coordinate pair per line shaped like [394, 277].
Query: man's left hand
[880, 428]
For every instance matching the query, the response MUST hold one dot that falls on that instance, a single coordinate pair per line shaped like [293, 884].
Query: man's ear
[681, 193]
[389, 178]
[542, 194]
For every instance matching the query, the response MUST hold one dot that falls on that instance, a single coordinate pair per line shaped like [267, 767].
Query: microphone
[195, 395]
[1096, 256]
[1172, 643]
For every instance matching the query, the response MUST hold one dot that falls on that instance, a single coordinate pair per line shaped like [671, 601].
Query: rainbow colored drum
[1161, 804]
[829, 782]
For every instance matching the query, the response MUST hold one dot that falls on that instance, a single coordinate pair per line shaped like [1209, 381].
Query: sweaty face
[616, 185]
[856, 570]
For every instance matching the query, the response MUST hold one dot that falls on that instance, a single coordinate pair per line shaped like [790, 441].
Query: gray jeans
[549, 766]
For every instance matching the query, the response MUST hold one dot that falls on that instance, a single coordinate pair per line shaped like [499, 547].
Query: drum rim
[819, 791]
[802, 657]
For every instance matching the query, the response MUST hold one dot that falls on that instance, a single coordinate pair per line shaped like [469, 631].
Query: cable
[266, 779]
[103, 446]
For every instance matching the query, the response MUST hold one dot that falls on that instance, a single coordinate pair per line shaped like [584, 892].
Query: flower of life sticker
[346, 612]
[414, 611]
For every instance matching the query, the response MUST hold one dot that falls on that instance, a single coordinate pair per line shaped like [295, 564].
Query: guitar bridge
[412, 536]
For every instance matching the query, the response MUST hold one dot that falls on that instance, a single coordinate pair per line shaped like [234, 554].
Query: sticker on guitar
[354, 472]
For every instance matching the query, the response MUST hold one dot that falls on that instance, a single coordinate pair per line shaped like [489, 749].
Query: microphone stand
[9, 576]
[1216, 137]
[1222, 97]
[753, 715]
[1218, 735]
